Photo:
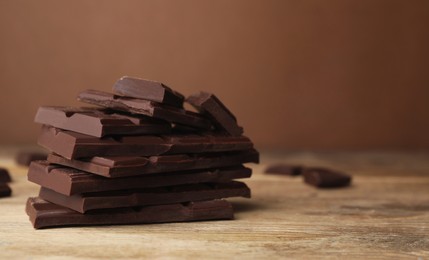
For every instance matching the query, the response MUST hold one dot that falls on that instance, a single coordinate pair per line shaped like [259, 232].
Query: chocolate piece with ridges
[4, 175]
[113, 167]
[326, 178]
[69, 181]
[146, 197]
[24, 158]
[284, 169]
[148, 90]
[74, 145]
[144, 107]
[221, 115]
[99, 122]
[5, 190]
[44, 214]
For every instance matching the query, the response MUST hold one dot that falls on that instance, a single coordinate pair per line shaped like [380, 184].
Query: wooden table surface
[384, 214]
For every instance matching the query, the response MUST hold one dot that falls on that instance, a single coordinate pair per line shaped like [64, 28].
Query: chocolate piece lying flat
[4, 175]
[325, 178]
[146, 197]
[69, 181]
[75, 145]
[98, 122]
[284, 169]
[144, 107]
[24, 158]
[5, 190]
[148, 90]
[113, 167]
[44, 214]
[222, 117]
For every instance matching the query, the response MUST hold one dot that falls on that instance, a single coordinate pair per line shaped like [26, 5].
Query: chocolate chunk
[326, 178]
[44, 214]
[148, 90]
[69, 181]
[5, 190]
[98, 122]
[24, 158]
[222, 117]
[4, 175]
[75, 145]
[144, 107]
[114, 167]
[146, 197]
[284, 169]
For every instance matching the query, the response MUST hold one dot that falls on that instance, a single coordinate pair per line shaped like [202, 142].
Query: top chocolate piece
[144, 107]
[4, 175]
[222, 117]
[148, 90]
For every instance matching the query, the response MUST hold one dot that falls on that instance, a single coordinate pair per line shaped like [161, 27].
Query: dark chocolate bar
[221, 115]
[69, 181]
[146, 197]
[113, 167]
[144, 107]
[326, 178]
[75, 145]
[98, 122]
[284, 169]
[148, 90]
[5, 190]
[44, 214]
[4, 175]
[24, 158]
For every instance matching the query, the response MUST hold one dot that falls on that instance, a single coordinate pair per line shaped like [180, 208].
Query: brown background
[298, 74]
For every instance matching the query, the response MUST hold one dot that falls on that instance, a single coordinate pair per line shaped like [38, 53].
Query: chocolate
[5, 190]
[146, 197]
[73, 145]
[98, 122]
[69, 181]
[326, 178]
[222, 117]
[284, 169]
[44, 214]
[4, 175]
[24, 158]
[148, 90]
[144, 107]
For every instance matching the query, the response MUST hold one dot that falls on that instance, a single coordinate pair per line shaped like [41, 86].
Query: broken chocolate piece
[148, 90]
[5, 190]
[4, 175]
[284, 169]
[326, 178]
[44, 214]
[24, 158]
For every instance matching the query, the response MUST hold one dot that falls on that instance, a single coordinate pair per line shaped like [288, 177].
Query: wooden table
[384, 214]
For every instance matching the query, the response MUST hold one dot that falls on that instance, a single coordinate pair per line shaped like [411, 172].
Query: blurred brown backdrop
[329, 74]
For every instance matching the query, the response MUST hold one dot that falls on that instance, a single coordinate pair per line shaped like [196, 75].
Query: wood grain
[383, 215]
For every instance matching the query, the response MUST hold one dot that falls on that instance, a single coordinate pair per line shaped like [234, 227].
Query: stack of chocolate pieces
[140, 158]
[5, 190]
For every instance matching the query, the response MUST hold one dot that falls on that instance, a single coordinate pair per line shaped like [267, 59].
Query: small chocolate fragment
[326, 178]
[148, 90]
[284, 169]
[99, 122]
[222, 117]
[4, 176]
[146, 197]
[44, 214]
[69, 181]
[145, 107]
[5, 190]
[24, 158]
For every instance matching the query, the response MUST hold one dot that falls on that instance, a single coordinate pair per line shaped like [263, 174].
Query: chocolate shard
[113, 167]
[4, 175]
[99, 122]
[5, 190]
[69, 181]
[44, 214]
[73, 145]
[146, 197]
[148, 90]
[284, 169]
[326, 178]
[24, 158]
[145, 107]
[222, 117]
